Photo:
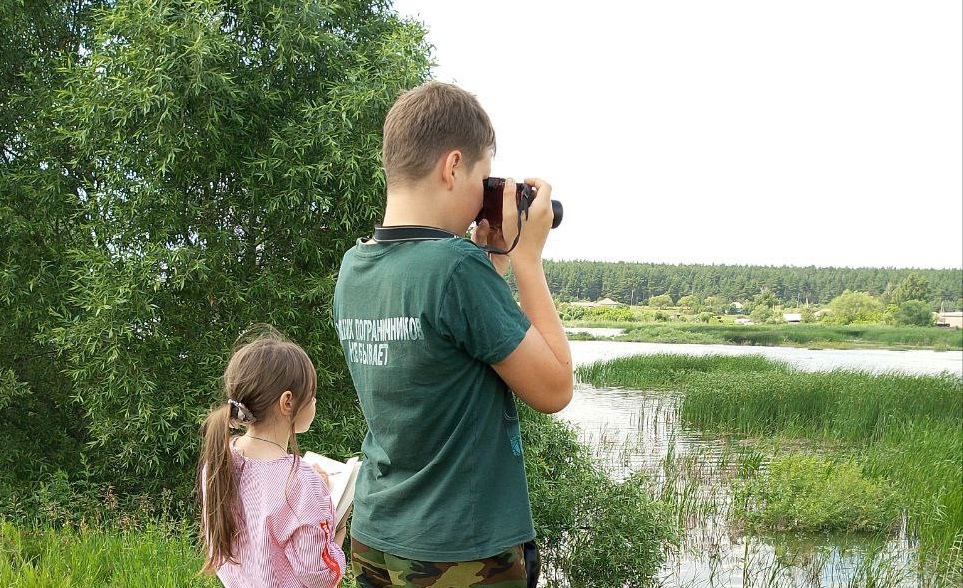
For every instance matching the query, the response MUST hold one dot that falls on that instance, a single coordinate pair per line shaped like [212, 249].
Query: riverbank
[789, 335]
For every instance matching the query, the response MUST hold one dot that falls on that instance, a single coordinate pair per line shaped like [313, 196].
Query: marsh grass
[670, 371]
[899, 434]
[871, 562]
[844, 405]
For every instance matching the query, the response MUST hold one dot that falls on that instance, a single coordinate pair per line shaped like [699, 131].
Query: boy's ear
[454, 163]
[286, 403]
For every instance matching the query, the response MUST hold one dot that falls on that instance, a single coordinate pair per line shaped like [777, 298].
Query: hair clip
[240, 413]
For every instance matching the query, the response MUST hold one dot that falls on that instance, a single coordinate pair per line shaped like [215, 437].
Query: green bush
[592, 530]
[570, 312]
[661, 301]
[810, 493]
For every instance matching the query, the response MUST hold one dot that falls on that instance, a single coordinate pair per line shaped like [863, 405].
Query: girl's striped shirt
[286, 527]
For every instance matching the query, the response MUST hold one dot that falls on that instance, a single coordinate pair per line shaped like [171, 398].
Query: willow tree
[208, 163]
[39, 208]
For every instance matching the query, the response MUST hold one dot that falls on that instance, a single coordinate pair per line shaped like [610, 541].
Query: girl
[267, 518]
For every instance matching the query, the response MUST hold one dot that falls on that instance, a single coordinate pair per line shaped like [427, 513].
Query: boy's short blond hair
[428, 121]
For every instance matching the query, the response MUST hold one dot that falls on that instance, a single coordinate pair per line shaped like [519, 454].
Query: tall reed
[842, 405]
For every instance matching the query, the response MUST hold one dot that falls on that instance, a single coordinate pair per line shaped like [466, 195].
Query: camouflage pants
[375, 569]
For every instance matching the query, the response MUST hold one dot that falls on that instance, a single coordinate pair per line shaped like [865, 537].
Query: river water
[631, 430]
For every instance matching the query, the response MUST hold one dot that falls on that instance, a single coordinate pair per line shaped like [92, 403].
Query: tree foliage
[199, 166]
[766, 299]
[661, 301]
[762, 313]
[913, 312]
[690, 303]
[912, 287]
[855, 308]
[39, 226]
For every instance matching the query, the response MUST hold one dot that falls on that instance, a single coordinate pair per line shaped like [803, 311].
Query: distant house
[608, 302]
[950, 319]
[792, 317]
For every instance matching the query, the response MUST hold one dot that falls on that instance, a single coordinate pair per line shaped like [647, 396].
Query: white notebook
[341, 479]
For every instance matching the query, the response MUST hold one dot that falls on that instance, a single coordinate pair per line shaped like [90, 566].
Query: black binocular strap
[402, 233]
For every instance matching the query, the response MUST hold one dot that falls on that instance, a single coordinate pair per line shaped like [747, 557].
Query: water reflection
[639, 431]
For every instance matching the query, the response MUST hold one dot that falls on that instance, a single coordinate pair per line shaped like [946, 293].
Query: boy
[435, 345]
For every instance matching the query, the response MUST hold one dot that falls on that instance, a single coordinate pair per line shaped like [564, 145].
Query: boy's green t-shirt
[443, 478]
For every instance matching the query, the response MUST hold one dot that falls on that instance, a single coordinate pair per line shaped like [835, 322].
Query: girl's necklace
[268, 441]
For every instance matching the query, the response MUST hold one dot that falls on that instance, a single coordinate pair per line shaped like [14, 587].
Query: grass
[151, 558]
[158, 556]
[788, 335]
[880, 433]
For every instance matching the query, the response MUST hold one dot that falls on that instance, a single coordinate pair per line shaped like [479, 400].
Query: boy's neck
[421, 209]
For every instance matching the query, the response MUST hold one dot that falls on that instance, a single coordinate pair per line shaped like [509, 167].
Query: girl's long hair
[258, 372]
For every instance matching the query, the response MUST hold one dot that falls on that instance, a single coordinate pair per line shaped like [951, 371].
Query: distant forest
[635, 283]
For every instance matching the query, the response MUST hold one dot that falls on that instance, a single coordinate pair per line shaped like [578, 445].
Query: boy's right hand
[535, 225]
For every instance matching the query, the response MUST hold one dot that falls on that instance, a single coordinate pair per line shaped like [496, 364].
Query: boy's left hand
[484, 234]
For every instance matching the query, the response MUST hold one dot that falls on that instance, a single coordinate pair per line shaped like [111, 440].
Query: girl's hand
[322, 473]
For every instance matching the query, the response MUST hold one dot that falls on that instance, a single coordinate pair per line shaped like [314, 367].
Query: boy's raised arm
[540, 368]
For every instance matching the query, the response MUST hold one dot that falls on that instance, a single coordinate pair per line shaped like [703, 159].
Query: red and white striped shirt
[286, 528]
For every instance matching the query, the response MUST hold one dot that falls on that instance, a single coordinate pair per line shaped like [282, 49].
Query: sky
[826, 133]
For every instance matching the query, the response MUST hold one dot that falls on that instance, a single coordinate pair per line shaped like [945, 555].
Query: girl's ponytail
[217, 489]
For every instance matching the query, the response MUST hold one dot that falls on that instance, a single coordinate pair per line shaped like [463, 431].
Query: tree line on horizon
[637, 283]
